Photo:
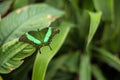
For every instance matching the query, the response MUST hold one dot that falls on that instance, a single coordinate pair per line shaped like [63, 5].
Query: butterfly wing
[32, 37]
[41, 34]
[39, 38]
[54, 31]
[24, 39]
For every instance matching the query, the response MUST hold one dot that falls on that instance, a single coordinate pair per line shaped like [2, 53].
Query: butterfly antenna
[50, 47]
[39, 51]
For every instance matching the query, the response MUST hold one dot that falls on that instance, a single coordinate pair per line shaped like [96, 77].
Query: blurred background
[73, 62]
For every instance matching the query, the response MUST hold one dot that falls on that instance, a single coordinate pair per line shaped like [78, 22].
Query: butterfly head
[55, 30]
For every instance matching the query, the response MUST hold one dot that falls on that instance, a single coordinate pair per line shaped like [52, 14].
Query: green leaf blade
[108, 58]
[106, 7]
[85, 68]
[44, 58]
[55, 66]
[94, 22]
[116, 17]
[97, 73]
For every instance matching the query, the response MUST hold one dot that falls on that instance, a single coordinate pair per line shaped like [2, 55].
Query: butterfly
[40, 38]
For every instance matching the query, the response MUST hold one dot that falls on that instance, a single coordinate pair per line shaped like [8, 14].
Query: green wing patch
[39, 38]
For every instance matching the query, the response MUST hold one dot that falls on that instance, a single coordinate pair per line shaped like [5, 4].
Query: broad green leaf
[28, 18]
[20, 3]
[97, 73]
[44, 58]
[5, 6]
[12, 54]
[94, 23]
[85, 68]
[109, 58]
[55, 66]
[1, 78]
[106, 7]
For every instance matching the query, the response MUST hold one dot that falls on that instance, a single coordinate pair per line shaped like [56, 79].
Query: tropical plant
[86, 48]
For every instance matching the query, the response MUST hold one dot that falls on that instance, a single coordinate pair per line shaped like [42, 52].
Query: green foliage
[12, 51]
[108, 58]
[97, 73]
[85, 68]
[106, 7]
[46, 55]
[94, 22]
[20, 3]
[12, 54]
[87, 51]
[26, 19]
[55, 66]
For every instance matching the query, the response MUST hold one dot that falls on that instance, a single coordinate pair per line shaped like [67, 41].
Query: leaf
[115, 41]
[44, 58]
[55, 66]
[106, 7]
[85, 68]
[108, 58]
[12, 54]
[20, 3]
[116, 18]
[25, 69]
[28, 18]
[71, 64]
[67, 63]
[5, 6]
[94, 22]
[97, 73]
[81, 18]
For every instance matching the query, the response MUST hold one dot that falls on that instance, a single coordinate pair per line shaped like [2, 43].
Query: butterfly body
[39, 38]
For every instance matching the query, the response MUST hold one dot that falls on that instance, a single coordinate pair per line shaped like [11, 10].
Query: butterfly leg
[50, 47]
[39, 51]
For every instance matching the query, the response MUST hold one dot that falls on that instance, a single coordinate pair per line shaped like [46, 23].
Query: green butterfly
[40, 38]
